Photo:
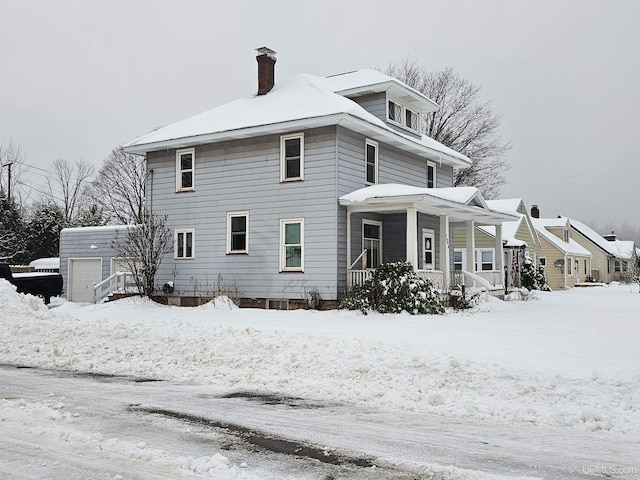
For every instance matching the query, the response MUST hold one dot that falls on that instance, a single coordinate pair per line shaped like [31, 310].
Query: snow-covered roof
[461, 202]
[509, 230]
[101, 228]
[625, 248]
[594, 237]
[511, 206]
[557, 222]
[571, 247]
[367, 81]
[46, 263]
[507, 205]
[304, 101]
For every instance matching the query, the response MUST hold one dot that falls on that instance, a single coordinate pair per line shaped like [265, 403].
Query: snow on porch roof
[304, 101]
[462, 203]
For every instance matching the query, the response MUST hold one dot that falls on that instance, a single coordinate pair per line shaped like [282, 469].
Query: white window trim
[283, 163]
[570, 266]
[192, 231]
[435, 173]
[283, 257]
[377, 223]
[389, 119]
[237, 214]
[542, 261]
[463, 251]
[404, 118]
[375, 173]
[479, 262]
[179, 153]
[431, 233]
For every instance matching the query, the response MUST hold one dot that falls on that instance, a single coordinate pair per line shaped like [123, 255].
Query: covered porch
[389, 223]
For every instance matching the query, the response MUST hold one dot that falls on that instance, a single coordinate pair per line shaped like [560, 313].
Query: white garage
[84, 273]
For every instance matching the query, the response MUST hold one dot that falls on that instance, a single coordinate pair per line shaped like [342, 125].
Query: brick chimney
[610, 237]
[535, 211]
[266, 69]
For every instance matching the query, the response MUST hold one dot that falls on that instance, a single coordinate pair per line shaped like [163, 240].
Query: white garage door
[83, 274]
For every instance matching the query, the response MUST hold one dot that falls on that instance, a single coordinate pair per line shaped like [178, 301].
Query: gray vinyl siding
[374, 103]
[244, 175]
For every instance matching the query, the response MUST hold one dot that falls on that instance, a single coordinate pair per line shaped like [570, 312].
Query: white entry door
[84, 273]
[428, 249]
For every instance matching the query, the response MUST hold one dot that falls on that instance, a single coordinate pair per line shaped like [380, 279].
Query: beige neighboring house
[612, 259]
[519, 239]
[566, 262]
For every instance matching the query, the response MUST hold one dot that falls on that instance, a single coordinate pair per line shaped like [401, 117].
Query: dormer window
[395, 112]
[411, 119]
[403, 116]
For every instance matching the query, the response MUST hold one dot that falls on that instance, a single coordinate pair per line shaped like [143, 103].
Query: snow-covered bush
[393, 288]
[541, 280]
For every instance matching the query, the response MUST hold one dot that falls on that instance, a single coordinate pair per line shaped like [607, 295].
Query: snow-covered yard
[561, 360]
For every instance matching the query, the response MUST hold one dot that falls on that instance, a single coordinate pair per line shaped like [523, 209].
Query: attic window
[395, 112]
[411, 119]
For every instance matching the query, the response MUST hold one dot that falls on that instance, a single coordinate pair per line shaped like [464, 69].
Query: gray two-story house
[282, 192]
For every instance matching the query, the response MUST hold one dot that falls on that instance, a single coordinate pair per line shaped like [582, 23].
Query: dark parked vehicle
[45, 285]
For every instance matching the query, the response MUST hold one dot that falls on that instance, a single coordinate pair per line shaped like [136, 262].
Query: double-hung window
[292, 245]
[484, 259]
[431, 175]
[185, 169]
[372, 242]
[184, 243]
[371, 162]
[238, 232]
[459, 255]
[292, 157]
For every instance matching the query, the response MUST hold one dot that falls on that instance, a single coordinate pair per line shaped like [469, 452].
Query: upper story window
[371, 162]
[395, 112]
[292, 157]
[238, 232]
[185, 169]
[183, 243]
[411, 119]
[431, 175]
[565, 234]
[403, 116]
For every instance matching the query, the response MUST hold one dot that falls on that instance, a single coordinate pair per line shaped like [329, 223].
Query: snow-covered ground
[561, 360]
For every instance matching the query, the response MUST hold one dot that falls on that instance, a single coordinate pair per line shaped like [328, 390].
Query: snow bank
[391, 362]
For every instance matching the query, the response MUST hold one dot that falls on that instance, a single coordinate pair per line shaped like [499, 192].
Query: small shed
[86, 258]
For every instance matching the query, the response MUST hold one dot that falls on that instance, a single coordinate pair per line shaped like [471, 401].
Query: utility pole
[9, 179]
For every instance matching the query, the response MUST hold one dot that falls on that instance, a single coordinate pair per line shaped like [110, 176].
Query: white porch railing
[490, 280]
[118, 282]
[358, 277]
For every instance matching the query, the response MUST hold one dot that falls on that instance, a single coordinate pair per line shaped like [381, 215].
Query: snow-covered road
[125, 428]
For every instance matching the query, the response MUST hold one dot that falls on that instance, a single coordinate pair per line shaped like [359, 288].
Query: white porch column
[445, 265]
[348, 240]
[412, 237]
[471, 246]
[499, 258]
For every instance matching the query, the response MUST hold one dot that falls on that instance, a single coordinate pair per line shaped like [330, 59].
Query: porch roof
[460, 203]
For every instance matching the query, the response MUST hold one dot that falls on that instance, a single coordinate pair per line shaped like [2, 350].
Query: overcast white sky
[80, 77]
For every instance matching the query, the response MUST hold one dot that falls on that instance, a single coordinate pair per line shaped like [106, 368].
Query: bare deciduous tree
[463, 123]
[143, 246]
[70, 180]
[119, 187]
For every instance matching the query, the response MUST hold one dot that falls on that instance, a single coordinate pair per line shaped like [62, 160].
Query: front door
[428, 249]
